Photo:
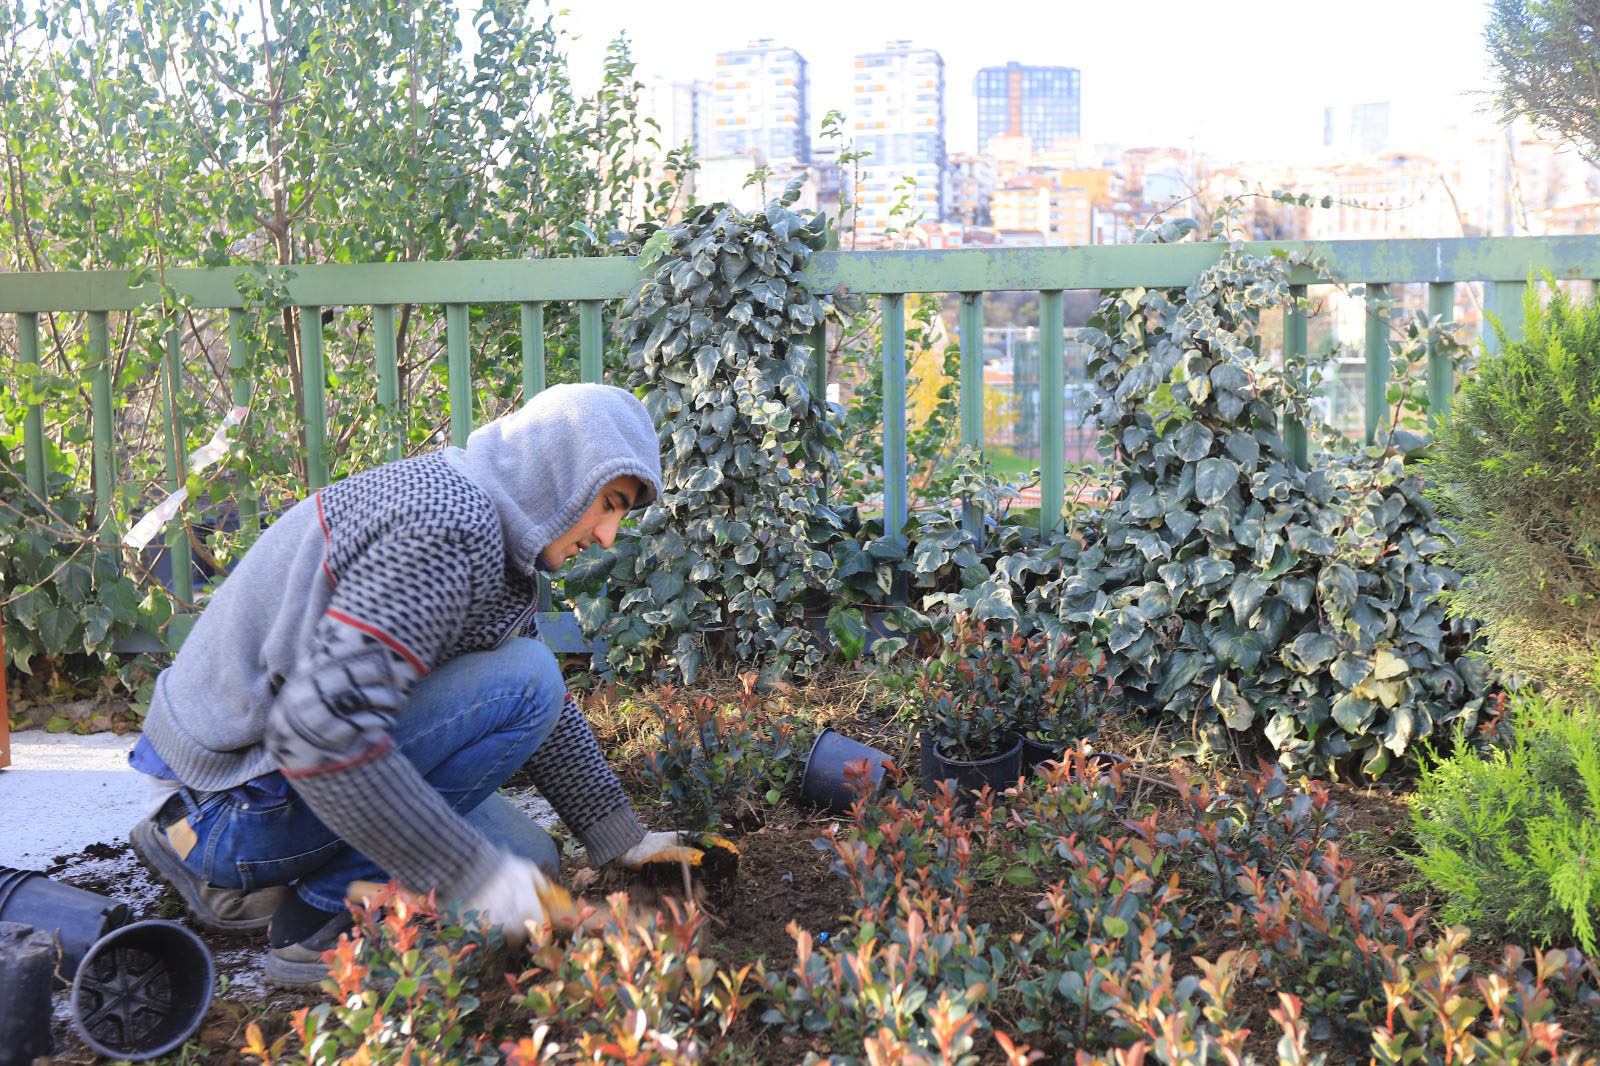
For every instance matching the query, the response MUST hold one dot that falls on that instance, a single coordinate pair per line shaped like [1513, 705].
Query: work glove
[519, 899]
[659, 847]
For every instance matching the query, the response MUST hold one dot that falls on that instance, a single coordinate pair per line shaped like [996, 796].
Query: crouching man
[368, 676]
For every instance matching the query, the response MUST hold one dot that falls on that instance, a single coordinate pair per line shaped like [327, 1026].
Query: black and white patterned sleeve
[394, 610]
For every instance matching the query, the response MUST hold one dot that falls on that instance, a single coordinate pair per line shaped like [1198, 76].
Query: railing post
[1294, 365]
[311, 380]
[894, 414]
[32, 422]
[458, 339]
[591, 341]
[1377, 358]
[241, 390]
[386, 348]
[533, 370]
[1441, 372]
[1052, 410]
[971, 392]
[533, 381]
[105, 443]
[177, 534]
[1504, 300]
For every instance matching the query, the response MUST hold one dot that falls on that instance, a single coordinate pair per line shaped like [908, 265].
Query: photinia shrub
[717, 765]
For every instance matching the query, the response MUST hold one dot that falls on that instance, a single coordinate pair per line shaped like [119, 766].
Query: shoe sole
[296, 976]
[170, 871]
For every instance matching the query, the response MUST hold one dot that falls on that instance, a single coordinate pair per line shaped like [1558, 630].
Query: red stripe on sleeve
[380, 748]
[327, 542]
[375, 632]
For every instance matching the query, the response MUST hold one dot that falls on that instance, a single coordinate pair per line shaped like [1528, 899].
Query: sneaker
[299, 964]
[221, 910]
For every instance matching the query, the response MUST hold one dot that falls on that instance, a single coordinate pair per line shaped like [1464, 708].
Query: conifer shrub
[1517, 472]
[1513, 837]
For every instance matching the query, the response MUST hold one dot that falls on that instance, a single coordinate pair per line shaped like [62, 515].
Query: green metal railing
[1503, 264]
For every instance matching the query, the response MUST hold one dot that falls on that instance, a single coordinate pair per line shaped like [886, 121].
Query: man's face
[598, 524]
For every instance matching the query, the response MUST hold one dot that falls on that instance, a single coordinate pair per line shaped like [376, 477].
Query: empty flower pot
[999, 772]
[825, 781]
[74, 917]
[142, 990]
[1036, 753]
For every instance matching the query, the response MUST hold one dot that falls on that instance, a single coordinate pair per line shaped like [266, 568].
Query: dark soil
[782, 879]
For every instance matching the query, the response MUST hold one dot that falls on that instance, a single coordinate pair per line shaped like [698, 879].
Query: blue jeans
[467, 727]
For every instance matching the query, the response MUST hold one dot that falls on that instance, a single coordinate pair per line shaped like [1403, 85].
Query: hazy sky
[1244, 77]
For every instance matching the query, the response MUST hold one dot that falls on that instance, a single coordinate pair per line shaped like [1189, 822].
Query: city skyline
[1260, 91]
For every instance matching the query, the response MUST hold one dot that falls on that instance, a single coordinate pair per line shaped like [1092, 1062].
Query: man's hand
[519, 898]
[659, 847]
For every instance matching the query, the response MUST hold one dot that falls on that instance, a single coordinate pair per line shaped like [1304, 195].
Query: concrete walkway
[63, 793]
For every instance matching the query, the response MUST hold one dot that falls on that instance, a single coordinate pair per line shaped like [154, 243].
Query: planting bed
[789, 874]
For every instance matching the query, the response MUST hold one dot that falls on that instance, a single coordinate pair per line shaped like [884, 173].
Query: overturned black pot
[969, 776]
[825, 781]
[27, 963]
[142, 990]
[74, 917]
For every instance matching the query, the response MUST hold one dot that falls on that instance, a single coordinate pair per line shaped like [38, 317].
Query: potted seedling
[968, 733]
[1057, 697]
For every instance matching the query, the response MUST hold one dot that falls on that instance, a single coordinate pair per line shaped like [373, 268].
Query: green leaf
[1115, 926]
[1338, 588]
[1243, 447]
[1282, 729]
[1350, 669]
[1237, 712]
[1245, 597]
[1353, 713]
[1240, 647]
[1213, 479]
[1021, 876]
[1309, 651]
[1192, 442]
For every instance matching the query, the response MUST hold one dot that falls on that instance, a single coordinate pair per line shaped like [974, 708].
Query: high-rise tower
[759, 100]
[1041, 103]
[898, 112]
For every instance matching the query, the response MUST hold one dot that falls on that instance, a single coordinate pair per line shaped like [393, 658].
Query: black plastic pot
[999, 772]
[824, 781]
[142, 990]
[74, 917]
[1036, 754]
[27, 959]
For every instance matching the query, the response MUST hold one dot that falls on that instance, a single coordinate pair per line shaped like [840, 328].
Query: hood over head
[544, 464]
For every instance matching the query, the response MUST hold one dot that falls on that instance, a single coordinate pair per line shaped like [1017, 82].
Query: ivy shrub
[1512, 838]
[729, 560]
[1517, 479]
[65, 600]
[1240, 593]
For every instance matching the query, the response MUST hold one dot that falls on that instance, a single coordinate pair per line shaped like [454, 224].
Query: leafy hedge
[727, 562]
[1243, 593]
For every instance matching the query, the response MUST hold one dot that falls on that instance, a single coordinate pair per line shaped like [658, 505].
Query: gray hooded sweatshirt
[310, 647]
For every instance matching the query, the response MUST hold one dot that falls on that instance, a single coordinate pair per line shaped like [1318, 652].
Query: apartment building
[1038, 205]
[759, 102]
[1043, 104]
[972, 184]
[898, 117]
